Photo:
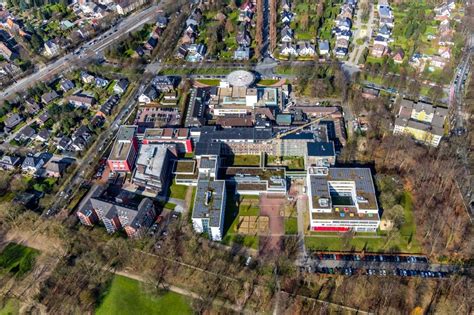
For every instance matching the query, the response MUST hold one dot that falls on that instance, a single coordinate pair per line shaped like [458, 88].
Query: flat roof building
[124, 151]
[153, 166]
[209, 208]
[342, 199]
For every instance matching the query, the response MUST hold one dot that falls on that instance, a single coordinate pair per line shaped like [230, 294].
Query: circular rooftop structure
[240, 78]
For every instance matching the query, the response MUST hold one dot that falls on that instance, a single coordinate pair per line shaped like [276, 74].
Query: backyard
[177, 191]
[125, 296]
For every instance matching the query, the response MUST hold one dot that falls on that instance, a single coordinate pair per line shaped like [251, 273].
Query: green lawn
[292, 162]
[336, 243]
[291, 226]
[178, 191]
[267, 82]
[245, 160]
[125, 296]
[214, 82]
[17, 259]
[11, 307]
[232, 218]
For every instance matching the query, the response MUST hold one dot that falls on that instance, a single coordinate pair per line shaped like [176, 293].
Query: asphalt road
[87, 161]
[89, 49]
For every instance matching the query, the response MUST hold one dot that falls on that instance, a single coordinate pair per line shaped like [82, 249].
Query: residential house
[5, 51]
[25, 134]
[305, 49]
[66, 85]
[286, 35]
[43, 135]
[445, 52]
[399, 56]
[324, 48]
[286, 17]
[344, 24]
[12, 121]
[437, 62]
[121, 86]
[126, 6]
[100, 82]
[181, 52]
[148, 96]
[9, 162]
[151, 43]
[385, 32]
[32, 164]
[55, 168]
[31, 106]
[196, 53]
[288, 50]
[378, 50]
[48, 97]
[385, 20]
[243, 38]
[87, 78]
[242, 53]
[51, 48]
[43, 118]
[81, 100]
[161, 21]
[63, 143]
[380, 40]
[164, 83]
[80, 138]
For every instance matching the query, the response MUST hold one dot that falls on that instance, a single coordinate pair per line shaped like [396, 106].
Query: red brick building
[124, 151]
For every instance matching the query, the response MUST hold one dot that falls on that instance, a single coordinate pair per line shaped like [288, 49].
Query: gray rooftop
[209, 202]
[252, 134]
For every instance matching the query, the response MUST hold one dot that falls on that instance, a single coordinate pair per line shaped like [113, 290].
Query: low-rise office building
[342, 199]
[124, 151]
[153, 167]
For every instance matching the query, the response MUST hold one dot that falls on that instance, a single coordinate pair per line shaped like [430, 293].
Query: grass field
[213, 82]
[11, 307]
[245, 160]
[17, 259]
[267, 82]
[291, 226]
[125, 296]
[247, 207]
[178, 191]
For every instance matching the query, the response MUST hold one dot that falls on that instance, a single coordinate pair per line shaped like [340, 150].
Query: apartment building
[342, 199]
[117, 212]
[422, 121]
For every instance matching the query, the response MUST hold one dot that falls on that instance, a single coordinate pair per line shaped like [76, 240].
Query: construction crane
[289, 132]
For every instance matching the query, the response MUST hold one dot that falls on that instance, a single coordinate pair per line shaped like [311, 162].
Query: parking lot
[376, 265]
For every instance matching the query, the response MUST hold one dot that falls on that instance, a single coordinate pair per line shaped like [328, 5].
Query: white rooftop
[240, 78]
